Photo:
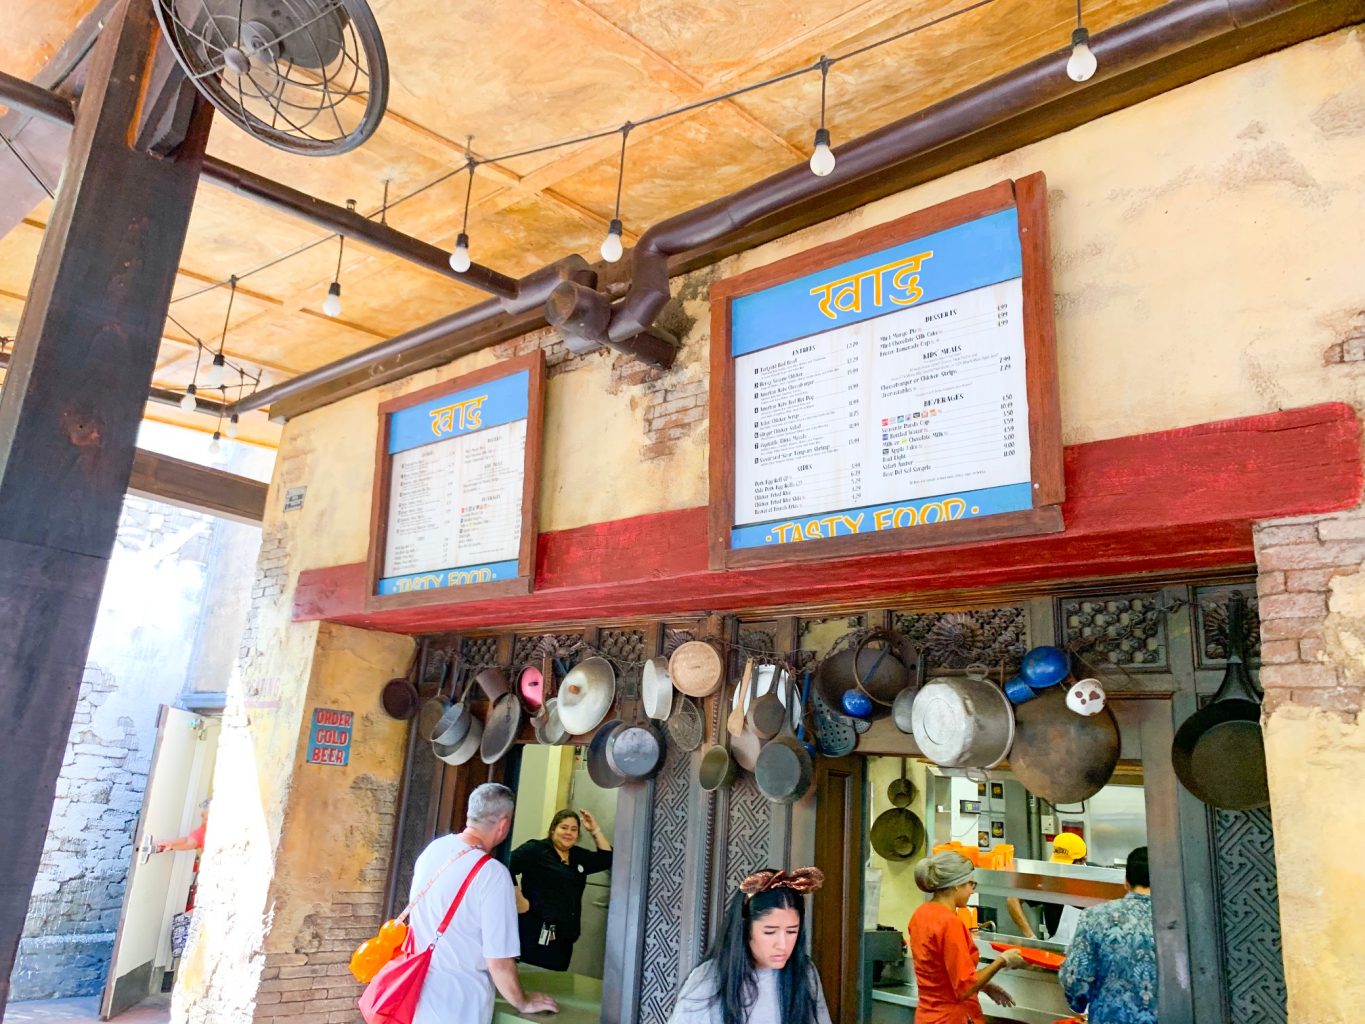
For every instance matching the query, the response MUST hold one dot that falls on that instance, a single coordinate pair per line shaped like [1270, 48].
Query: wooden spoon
[734, 725]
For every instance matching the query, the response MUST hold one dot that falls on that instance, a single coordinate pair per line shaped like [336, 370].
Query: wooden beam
[1177, 502]
[69, 414]
[199, 488]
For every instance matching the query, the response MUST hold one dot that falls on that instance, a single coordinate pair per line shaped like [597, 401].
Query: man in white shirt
[480, 947]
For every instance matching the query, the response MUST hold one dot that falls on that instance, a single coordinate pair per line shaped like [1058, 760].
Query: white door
[158, 884]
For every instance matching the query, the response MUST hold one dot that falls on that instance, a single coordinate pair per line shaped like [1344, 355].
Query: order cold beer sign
[329, 741]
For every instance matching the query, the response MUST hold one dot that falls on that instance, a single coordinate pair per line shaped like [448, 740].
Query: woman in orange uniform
[944, 951]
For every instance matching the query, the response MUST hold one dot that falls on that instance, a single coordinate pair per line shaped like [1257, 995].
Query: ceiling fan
[306, 76]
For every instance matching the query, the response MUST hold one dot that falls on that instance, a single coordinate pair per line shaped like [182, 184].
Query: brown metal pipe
[1142, 40]
[23, 96]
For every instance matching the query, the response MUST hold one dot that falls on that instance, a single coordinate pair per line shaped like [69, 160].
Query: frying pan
[1219, 753]
[783, 767]
[901, 792]
[466, 748]
[450, 728]
[1061, 756]
[636, 751]
[599, 767]
[767, 712]
[500, 731]
[399, 695]
[897, 834]
[657, 689]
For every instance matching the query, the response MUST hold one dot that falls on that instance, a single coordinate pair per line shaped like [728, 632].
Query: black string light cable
[611, 245]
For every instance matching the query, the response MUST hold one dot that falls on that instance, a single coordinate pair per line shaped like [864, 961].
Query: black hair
[1138, 872]
[562, 816]
[737, 980]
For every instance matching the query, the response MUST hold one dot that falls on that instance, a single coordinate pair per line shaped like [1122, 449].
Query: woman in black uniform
[554, 871]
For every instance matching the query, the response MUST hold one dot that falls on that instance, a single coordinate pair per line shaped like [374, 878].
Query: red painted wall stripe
[1169, 501]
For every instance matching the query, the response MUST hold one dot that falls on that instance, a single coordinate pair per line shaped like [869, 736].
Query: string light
[231, 428]
[459, 257]
[822, 160]
[216, 445]
[1081, 65]
[611, 245]
[188, 403]
[332, 304]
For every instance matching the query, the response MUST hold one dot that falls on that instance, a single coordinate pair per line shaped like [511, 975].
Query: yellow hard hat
[1067, 848]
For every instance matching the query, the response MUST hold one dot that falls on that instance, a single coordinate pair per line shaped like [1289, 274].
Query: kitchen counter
[1035, 989]
[579, 999]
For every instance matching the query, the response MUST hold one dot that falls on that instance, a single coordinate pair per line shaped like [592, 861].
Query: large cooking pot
[1219, 753]
[1061, 756]
[587, 694]
[963, 721]
[656, 689]
[864, 679]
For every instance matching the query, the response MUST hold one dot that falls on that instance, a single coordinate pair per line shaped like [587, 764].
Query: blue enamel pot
[1045, 666]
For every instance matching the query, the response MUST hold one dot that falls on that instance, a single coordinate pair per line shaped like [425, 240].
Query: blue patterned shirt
[1110, 965]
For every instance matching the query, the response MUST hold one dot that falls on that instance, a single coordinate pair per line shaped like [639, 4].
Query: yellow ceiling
[515, 75]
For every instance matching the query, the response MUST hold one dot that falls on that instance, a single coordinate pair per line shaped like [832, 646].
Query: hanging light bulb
[213, 377]
[1081, 65]
[332, 304]
[822, 160]
[459, 259]
[188, 403]
[216, 445]
[611, 245]
[231, 428]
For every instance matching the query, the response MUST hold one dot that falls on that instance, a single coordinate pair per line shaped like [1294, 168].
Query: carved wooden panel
[1249, 916]
[623, 646]
[747, 831]
[529, 648]
[1125, 630]
[954, 640]
[663, 928]
[1211, 624]
[479, 652]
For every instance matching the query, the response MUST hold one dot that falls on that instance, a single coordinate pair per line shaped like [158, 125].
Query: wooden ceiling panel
[35, 30]
[302, 339]
[395, 296]
[18, 257]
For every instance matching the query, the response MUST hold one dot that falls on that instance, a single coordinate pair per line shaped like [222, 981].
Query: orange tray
[1037, 957]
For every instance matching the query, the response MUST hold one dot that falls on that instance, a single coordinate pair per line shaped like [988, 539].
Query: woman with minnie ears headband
[758, 972]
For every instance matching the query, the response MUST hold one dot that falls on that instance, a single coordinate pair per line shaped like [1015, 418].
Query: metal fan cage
[307, 76]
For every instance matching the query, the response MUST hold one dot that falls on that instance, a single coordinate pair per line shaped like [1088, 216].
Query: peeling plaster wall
[1206, 250]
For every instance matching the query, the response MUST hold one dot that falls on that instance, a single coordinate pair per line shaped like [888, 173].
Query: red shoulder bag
[391, 996]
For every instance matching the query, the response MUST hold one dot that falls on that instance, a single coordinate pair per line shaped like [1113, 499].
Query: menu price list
[924, 401]
[456, 502]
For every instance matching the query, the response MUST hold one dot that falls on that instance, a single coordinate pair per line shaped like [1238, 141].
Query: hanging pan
[897, 834]
[399, 696]
[636, 751]
[783, 768]
[1219, 753]
[501, 729]
[768, 710]
[458, 752]
[696, 668]
[901, 792]
[1060, 756]
[551, 730]
[902, 708]
[452, 724]
[656, 689]
[717, 768]
[600, 769]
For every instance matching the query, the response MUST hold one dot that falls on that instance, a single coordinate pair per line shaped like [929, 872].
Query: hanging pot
[600, 770]
[963, 722]
[450, 728]
[457, 753]
[1060, 756]
[901, 792]
[875, 670]
[696, 668]
[657, 689]
[783, 769]
[587, 695]
[897, 834]
[902, 707]
[1219, 753]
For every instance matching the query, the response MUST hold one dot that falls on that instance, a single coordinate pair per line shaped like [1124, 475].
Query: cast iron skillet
[1219, 753]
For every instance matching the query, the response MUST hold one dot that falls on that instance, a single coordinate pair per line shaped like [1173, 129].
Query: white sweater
[699, 1002]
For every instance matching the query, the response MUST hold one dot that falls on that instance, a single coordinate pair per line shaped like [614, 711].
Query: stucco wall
[1206, 265]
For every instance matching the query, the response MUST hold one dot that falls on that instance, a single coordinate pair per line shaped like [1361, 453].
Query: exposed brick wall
[1312, 606]
[312, 984]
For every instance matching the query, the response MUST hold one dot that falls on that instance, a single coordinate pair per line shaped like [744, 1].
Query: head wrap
[943, 871]
[801, 880]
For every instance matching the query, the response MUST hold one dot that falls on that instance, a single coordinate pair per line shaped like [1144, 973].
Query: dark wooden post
[83, 360]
